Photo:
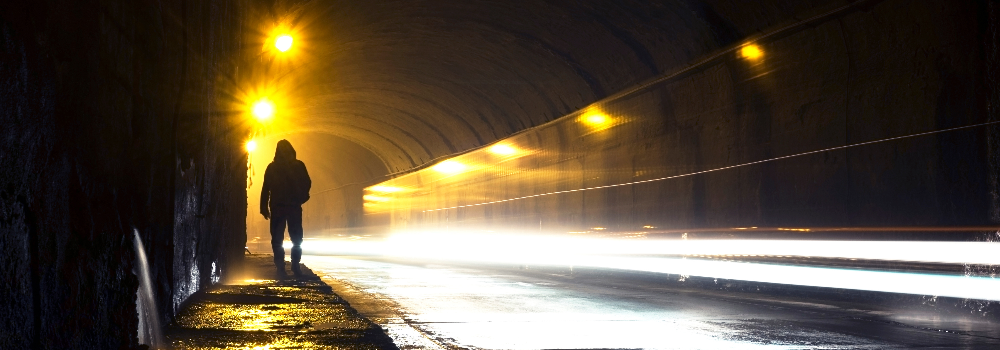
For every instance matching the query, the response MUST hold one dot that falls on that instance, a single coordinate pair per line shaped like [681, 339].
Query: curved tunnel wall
[683, 153]
[413, 81]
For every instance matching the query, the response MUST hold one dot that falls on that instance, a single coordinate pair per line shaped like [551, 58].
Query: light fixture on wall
[450, 167]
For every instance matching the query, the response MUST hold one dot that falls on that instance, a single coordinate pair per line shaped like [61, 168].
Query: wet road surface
[426, 306]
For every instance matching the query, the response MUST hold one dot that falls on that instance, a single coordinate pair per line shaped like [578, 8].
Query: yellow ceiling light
[384, 189]
[751, 52]
[594, 117]
[372, 198]
[503, 150]
[263, 110]
[283, 43]
[251, 145]
[450, 167]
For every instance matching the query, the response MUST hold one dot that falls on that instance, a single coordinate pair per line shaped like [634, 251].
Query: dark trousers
[280, 217]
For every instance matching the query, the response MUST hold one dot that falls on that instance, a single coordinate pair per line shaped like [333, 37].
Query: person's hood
[284, 152]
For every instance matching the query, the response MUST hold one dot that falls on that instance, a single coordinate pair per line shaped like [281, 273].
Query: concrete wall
[865, 74]
[113, 120]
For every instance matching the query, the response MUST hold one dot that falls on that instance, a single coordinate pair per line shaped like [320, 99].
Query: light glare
[372, 198]
[751, 52]
[503, 150]
[283, 43]
[251, 145]
[595, 118]
[263, 110]
[384, 189]
[450, 167]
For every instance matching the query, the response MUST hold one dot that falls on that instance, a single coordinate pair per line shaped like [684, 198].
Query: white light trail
[661, 256]
[420, 245]
[879, 281]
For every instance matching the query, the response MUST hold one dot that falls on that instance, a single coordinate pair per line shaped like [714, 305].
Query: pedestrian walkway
[261, 312]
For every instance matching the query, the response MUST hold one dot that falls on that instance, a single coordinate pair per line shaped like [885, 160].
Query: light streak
[832, 229]
[477, 244]
[720, 168]
[879, 281]
[640, 256]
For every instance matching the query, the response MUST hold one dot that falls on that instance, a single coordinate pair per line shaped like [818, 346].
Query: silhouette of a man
[286, 187]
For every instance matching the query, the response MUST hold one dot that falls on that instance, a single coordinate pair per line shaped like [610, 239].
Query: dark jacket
[286, 181]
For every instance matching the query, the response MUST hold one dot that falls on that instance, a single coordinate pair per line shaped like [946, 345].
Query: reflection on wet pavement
[259, 313]
[479, 308]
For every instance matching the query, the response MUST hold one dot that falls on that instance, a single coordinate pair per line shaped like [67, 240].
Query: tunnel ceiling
[412, 81]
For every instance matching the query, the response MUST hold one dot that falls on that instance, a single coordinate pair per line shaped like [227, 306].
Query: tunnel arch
[459, 75]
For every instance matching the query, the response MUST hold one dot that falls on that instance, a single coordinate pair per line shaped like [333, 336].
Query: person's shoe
[296, 270]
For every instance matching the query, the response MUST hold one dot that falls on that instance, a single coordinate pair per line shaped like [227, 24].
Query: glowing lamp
[751, 52]
[449, 167]
[283, 43]
[263, 110]
[384, 189]
[503, 150]
[595, 117]
[376, 198]
[251, 145]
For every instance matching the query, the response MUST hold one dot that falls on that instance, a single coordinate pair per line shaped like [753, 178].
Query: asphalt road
[428, 306]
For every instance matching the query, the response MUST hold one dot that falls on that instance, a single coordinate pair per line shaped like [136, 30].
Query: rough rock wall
[113, 120]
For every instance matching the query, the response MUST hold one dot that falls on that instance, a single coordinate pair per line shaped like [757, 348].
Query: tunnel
[148, 123]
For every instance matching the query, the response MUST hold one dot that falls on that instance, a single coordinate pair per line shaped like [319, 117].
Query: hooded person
[286, 187]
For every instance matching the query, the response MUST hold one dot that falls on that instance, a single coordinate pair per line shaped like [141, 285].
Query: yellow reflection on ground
[450, 167]
[283, 43]
[263, 109]
[751, 52]
[257, 319]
